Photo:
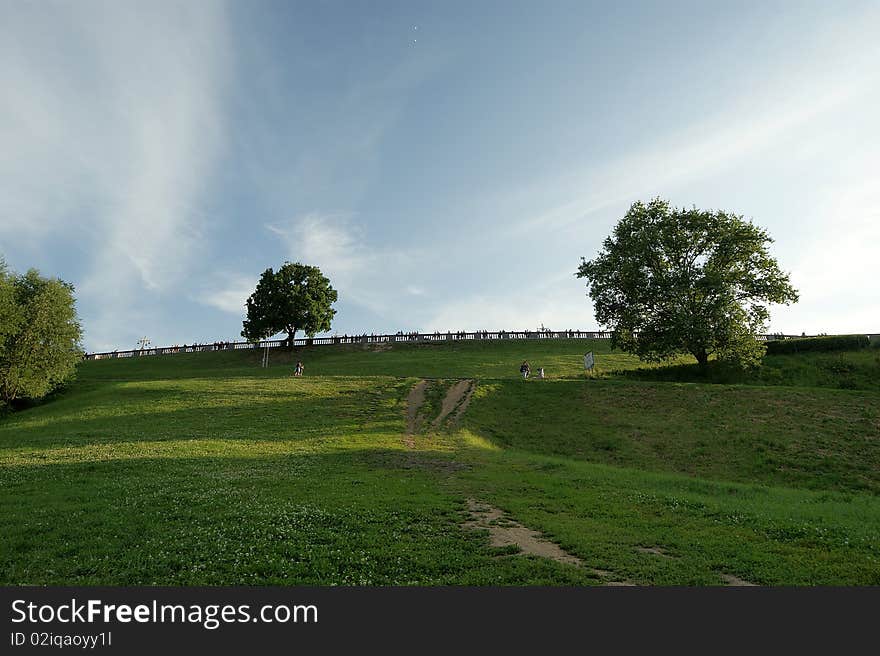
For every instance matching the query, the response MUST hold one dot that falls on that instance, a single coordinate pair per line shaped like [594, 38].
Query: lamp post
[143, 342]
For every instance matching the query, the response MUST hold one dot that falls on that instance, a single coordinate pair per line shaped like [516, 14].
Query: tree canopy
[39, 335]
[670, 281]
[296, 297]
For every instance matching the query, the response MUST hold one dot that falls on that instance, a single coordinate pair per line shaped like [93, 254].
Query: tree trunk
[702, 357]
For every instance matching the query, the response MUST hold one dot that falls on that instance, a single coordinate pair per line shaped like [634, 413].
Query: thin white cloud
[110, 137]
[338, 156]
[229, 296]
[843, 69]
[365, 274]
[702, 151]
[330, 241]
[557, 301]
[785, 105]
[838, 267]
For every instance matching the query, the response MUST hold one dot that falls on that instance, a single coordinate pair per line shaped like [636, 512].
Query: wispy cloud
[110, 136]
[838, 266]
[844, 68]
[298, 157]
[229, 294]
[365, 273]
[557, 301]
[790, 105]
[331, 241]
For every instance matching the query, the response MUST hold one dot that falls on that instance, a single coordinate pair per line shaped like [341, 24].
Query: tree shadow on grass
[320, 519]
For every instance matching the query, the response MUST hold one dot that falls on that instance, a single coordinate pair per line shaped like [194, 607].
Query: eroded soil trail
[456, 402]
[413, 404]
[735, 581]
[505, 532]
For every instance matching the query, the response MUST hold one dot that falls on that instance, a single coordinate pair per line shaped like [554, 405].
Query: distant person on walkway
[524, 369]
[299, 369]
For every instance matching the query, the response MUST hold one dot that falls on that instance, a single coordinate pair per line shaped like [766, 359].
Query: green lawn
[206, 469]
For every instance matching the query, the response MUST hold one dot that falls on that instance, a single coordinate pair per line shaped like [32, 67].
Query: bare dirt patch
[413, 403]
[505, 532]
[731, 580]
[457, 399]
[464, 403]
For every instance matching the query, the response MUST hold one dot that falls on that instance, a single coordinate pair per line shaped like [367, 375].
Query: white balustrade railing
[375, 339]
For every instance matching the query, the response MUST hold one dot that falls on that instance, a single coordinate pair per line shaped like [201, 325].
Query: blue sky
[446, 164]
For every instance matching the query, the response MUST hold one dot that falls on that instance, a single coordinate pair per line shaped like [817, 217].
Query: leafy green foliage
[39, 335]
[10, 313]
[296, 297]
[671, 281]
[829, 343]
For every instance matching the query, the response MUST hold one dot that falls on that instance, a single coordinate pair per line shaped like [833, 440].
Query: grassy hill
[207, 469]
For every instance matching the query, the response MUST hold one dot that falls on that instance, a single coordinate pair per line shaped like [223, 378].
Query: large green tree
[39, 335]
[296, 297]
[670, 281]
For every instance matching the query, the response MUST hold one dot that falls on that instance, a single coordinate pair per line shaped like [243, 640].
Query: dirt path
[729, 579]
[735, 581]
[457, 399]
[413, 403]
[505, 532]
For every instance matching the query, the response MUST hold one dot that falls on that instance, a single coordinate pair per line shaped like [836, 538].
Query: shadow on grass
[713, 372]
[365, 517]
[132, 414]
[845, 370]
[804, 438]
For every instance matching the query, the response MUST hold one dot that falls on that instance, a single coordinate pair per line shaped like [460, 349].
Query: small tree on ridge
[296, 297]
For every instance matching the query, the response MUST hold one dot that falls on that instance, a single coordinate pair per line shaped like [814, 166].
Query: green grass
[206, 469]
[764, 535]
[807, 437]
